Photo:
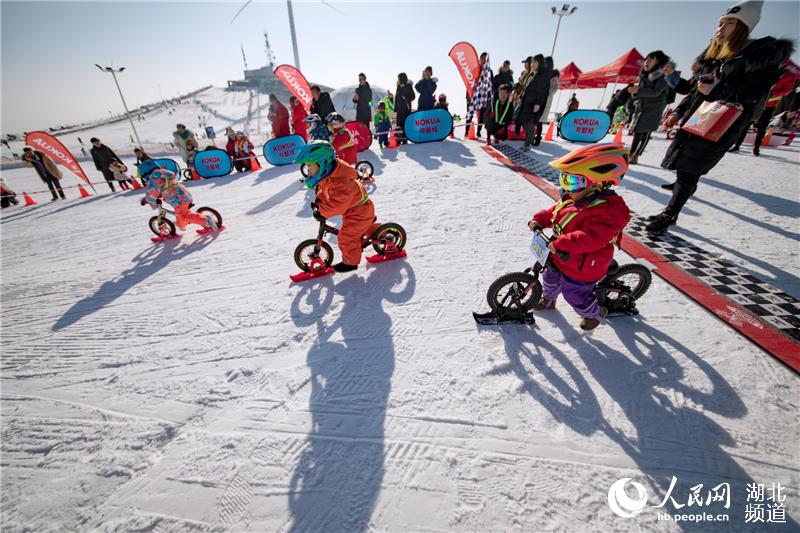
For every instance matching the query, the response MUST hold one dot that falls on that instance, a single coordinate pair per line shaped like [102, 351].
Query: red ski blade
[305, 276]
[380, 258]
[167, 238]
[206, 231]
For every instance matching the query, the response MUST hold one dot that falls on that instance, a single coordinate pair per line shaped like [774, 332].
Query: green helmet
[321, 153]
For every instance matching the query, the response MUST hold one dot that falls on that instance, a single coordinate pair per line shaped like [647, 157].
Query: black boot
[668, 186]
[734, 149]
[755, 151]
[344, 267]
[661, 223]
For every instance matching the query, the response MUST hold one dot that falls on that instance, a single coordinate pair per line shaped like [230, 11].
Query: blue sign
[283, 150]
[584, 125]
[539, 248]
[210, 133]
[428, 126]
[168, 164]
[213, 163]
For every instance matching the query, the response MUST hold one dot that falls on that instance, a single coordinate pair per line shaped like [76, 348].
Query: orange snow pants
[185, 216]
[357, 222]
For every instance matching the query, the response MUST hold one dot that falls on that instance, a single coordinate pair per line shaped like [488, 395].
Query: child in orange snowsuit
[339, 192]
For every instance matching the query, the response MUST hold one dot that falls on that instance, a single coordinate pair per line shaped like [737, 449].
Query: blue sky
[49, 48]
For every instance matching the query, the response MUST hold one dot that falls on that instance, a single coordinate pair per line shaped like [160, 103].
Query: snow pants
[356, 223]
[185, 216]
[578, 294]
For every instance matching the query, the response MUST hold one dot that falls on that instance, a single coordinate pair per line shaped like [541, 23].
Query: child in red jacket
[342, 138]
[587, 224]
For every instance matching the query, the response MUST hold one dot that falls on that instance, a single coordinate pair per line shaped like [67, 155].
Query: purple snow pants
[578, 294]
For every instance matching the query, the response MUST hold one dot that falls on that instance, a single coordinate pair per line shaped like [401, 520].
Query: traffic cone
[768, 137]
[392, 141]
[254, 164]
[618, 136]
[28, 199]
[470, 132]
[84, 192]
[136, 185]
[549, 135]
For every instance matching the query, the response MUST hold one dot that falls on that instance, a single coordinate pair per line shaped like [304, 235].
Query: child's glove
[143, 201]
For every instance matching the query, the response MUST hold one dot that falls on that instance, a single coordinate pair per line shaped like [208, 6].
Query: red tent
[569, 76]
[624, 70]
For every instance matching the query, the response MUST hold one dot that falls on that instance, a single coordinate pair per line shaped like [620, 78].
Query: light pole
[127, 113]
[565, 11]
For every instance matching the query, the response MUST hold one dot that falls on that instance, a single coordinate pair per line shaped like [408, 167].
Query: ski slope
[190, 386]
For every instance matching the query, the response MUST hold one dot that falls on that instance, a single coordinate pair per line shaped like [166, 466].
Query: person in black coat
[363, 101]
[732, 69]
[621, 97]
[426, 87]
[504, 76]
[403, 97]
[651, 99]
[103, 156]
[533, 102]
[321, 103]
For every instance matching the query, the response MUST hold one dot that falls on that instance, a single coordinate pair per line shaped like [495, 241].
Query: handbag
[712, 119]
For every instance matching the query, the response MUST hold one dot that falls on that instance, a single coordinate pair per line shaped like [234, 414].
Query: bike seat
[613, 267]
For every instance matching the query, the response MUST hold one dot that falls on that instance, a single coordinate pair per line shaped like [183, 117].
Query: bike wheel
[389, 232]
[517, 290]
[165, 229]
[304, 254]
[213, 212]
[634, 277]
[364, 169]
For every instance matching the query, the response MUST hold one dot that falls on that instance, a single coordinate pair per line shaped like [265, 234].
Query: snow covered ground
[190, 386]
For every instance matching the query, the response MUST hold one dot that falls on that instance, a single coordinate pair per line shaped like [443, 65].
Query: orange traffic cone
[28, 199]
[392, 141]
[84, 192]
[618, 136]
[549, 135]
[254, 164]
[768, 137]
[470, 132]
[136, 185]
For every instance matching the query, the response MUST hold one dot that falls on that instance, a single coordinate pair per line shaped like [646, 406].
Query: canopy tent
[624, 69]
[569, 77]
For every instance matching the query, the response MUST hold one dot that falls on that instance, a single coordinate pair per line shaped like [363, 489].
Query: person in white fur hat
[732, 68]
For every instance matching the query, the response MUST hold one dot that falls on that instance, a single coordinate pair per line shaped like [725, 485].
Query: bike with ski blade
[512, 296]
[314, 257]
[165, 229]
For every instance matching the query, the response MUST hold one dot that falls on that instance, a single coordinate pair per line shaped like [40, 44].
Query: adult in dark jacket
[321, 103]
[403, 97]
[363, 100]
[103, 156]
[483, 113]
[504, 76]
[426, 87]
[47, 170]
[732, 69]
[534, 101]
[651, 99]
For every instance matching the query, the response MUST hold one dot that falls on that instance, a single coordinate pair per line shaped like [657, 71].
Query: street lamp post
[565, 11]
[127, 113]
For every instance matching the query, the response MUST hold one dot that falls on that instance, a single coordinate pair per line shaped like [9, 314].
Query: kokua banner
[465, 57]
[283, 150]
[213, 163]
[294, 80]
[168, 164]
[49, 145]
[428, 126]
[584, 125]
[361, 133]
